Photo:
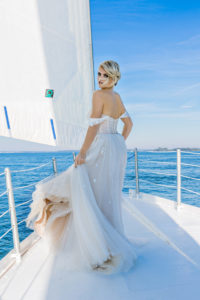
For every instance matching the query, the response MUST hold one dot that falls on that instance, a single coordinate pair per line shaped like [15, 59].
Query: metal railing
[178, 174]
[12, 206]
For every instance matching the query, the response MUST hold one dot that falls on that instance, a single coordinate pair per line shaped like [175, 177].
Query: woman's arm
[97, 109]
[128, 124]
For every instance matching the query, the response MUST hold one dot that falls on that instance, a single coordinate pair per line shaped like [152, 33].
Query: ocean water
[151, 166]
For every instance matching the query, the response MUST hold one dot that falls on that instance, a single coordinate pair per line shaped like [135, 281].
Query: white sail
[45, 45]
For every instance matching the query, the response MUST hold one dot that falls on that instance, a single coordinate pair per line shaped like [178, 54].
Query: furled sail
[46, 73]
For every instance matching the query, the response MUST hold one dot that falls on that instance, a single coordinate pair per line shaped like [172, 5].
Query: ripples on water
[148, 162]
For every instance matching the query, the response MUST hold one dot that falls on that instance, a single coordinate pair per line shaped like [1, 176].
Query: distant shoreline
[160, 149]
[171, 149]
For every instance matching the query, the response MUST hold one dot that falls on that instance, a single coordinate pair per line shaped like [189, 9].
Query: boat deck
[167, 243]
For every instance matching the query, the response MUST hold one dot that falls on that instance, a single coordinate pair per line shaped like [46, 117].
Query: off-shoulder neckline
[114, 118]
[104, 116]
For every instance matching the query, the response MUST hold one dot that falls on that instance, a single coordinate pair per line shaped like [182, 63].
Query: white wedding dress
[78, 212]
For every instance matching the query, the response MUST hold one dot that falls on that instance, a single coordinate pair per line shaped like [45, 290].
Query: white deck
[161, 273]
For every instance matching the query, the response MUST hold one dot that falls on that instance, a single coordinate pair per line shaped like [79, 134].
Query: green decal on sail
[49, 93]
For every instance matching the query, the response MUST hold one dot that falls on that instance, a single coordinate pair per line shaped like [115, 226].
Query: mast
[91, 47]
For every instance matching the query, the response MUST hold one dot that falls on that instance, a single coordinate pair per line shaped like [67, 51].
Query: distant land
[171, 149]
[130, 149]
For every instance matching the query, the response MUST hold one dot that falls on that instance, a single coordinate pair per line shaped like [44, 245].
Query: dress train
[78, 212]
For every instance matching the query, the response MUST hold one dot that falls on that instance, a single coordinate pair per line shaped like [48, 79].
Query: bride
[78, 212]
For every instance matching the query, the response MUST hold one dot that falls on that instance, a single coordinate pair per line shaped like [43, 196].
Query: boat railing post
[13, 217]
[136, 174]
[54, 165]
[178, 178]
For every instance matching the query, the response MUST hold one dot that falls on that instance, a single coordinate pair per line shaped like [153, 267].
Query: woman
[78, 212]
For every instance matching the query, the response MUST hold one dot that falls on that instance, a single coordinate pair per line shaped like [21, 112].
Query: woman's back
[112, 104]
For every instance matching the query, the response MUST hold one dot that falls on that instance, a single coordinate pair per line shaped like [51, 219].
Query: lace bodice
[107, 123]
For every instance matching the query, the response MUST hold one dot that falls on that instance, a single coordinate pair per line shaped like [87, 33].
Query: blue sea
[155, 169]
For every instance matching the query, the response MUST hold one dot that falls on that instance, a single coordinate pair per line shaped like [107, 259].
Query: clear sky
[157, 45]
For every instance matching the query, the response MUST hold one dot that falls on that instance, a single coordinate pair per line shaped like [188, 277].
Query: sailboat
[48, 75]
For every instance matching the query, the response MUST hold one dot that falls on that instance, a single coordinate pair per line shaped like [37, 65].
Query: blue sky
[157, 45]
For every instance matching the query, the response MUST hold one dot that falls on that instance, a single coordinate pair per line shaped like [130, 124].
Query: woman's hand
[80, 159]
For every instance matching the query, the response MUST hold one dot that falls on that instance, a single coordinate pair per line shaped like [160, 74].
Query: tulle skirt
[78, 212]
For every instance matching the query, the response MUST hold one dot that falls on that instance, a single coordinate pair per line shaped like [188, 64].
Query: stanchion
[54, 165]
[13, 217]
[136, 175]
[178, 179]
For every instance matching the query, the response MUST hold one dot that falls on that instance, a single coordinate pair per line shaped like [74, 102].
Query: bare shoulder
[119, 97]
[98, 95]
[98, 92]
[97, 104]
[127, 120]
[120, 102]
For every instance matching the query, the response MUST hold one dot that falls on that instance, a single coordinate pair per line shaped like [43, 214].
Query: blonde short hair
[112, 70]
